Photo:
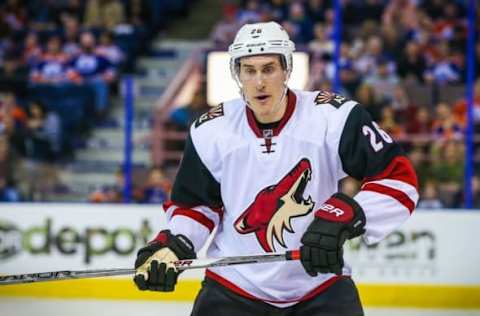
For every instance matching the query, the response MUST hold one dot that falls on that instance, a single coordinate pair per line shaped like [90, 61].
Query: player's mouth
[262, 98]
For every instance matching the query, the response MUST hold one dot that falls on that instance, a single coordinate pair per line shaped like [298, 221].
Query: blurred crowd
[404, 60]
[154, 190]
[60, 62]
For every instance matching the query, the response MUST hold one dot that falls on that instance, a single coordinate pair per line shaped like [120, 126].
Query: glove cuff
[179, 244]
[340, 208]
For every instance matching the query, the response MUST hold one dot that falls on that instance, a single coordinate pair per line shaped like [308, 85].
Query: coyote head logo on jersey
[274, 207]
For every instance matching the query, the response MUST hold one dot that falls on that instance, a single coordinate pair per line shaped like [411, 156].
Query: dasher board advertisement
[432, 247]
[50, 237]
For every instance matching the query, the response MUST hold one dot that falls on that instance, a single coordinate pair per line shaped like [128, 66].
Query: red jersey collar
[292, 100]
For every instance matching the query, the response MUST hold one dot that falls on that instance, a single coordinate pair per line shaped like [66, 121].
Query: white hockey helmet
[261, 39]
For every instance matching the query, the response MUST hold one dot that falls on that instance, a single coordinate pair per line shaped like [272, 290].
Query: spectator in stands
[366, 10]
[110, 193]
[329, 20]
[434, 8]
[392, 41]
[70, 33]
[448, 169]
[383, 80]
[477, 57]
[445, 23]
[373, 53]
[250, 14]
[43, 139]
[476, 191]
[8, 103]
[421, 32]
[445, 68]
[51, 67]
[224, 31]
[108, 49]
[460, 108]
[397, 13]
[459, 201]
[388, 122]
[445, 127]
[420, 163]
[365, 95]
[12, 122]
[323, 69]
[400, 100]
[349, 77]
[103, 14]
[157, 189]
[8, 191]
[7, 44]
[138, 13]
[279, 10]
[93, 70]
[418, 121]
[302, 26]
[316, 10]
[15, 15]
[74, 8]
[322, 46]
[429, 197]
[412, 64]
[183, 117]
[32, 51]
[13, 75]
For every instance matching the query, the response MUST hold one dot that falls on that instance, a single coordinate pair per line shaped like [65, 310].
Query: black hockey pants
[340, 299]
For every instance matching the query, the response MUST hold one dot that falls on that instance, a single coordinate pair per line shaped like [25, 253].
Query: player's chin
[265, 106]
[262, 110]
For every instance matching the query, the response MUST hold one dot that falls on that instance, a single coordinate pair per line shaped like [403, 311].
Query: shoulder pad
[213, 113]
[331, 98]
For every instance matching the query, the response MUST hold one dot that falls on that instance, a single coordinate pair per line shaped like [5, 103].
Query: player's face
[263, 80]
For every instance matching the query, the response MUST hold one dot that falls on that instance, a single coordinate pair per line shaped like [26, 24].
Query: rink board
[430, 262]
[372, 295]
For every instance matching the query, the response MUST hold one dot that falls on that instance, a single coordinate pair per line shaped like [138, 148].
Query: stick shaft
[180, 264]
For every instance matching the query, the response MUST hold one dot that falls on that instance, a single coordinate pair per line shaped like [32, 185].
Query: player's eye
[268, 70]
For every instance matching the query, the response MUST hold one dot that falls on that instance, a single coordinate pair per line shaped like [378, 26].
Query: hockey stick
[180, 264]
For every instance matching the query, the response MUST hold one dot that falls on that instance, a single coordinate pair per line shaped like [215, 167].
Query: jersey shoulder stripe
[218, 117]
[324, 97]
[211, 114]
[329, 104]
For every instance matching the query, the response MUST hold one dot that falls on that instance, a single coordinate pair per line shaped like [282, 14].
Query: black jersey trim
[358, 158]
[194, 184]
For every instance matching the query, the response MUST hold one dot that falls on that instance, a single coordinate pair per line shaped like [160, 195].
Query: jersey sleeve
[389, 189]
[196, 206]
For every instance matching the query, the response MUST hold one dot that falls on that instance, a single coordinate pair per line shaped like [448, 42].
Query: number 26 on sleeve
[376, 144]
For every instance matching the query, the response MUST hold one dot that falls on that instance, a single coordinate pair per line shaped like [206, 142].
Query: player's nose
[259, 83]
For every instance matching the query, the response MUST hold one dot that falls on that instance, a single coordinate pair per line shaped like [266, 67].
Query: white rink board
[431, 248]
[48, 237]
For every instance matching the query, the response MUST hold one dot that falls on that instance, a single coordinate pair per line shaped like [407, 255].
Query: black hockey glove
[338, 219]
[154, 269]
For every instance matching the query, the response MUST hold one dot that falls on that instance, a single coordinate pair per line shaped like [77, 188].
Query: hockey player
[264, 170]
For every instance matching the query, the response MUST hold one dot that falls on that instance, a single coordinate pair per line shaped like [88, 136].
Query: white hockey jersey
[261, 188]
